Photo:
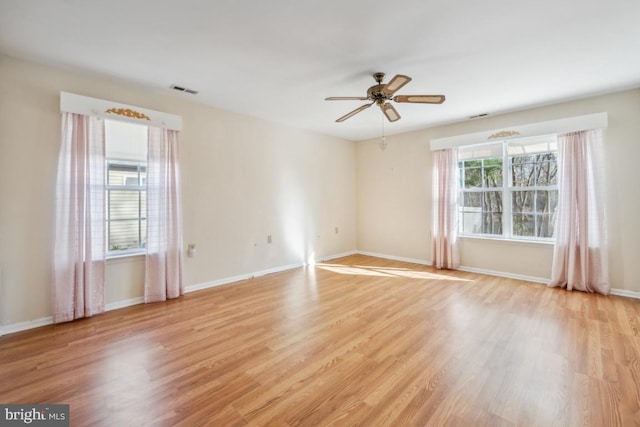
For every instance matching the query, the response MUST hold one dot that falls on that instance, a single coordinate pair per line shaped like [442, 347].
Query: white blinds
[125, 141]
[480, 151]
[515, 147]
[535, 145]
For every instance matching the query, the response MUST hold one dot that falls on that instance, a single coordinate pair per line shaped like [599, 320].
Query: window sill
[504, 240]
[126, 257]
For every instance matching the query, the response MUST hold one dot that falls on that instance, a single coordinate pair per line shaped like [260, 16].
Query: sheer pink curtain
[580, 258]
[163, 270]
[79, 247]
[445, 253]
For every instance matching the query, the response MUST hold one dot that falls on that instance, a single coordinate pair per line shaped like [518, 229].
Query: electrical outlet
[191, 250]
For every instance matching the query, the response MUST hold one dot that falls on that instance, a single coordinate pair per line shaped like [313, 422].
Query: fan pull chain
[383, 141]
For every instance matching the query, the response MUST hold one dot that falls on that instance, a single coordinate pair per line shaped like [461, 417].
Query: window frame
[479, 190]
[142, 216]
[508, 190]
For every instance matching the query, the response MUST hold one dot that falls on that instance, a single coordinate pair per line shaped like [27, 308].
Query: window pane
[123, 234]
[122, 175]
[488, 163]
[522, 173]
[143, 233]
[522, 201]
[473, 200]
[123, 204]
[492, 212]
[547, 173]
[553, 201]
[523, 225]
[545, 225]
[143, 175]
[143, 204]
[471, 222]
[124, 229]
[492, 201]
[492, 222]
[546, 201]
[493, 176]
[472, 177]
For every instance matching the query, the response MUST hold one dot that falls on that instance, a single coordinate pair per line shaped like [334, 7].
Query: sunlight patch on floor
[363, 270]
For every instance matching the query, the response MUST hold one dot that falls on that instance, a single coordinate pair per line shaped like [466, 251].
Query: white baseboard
[214, 283]
[44, 321]
[461, 268]
[396, 258]
[534, 279]
[232, 279]
[23, 326]
[122, 304]
[543, 280]
[625, 293]
[504, 274]
[335, 256]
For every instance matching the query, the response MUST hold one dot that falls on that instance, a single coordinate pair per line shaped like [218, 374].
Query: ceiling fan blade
[395, 83]
[346, 98]
[390, 112]
[354, 112]
[421, 99]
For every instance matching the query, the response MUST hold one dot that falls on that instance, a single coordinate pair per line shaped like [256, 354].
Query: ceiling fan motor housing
[376, 94]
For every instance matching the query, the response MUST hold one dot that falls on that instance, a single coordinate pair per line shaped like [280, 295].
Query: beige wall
[243, 179]
[394, 193]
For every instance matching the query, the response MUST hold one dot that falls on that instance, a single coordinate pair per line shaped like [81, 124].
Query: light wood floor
[356, 341]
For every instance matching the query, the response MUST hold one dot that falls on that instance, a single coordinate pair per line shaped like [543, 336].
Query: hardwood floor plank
[355, 341]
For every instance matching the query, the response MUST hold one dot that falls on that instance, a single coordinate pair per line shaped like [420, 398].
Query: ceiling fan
[381, 93]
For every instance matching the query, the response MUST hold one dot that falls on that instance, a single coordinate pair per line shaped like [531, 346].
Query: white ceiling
[279, 59]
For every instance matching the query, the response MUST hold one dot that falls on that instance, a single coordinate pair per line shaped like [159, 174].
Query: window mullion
[139, 207]
[506, 193]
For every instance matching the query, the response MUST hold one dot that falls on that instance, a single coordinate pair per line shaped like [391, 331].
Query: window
[509, 189]
[126, 205]
[534, 187]
[126, 192]
[482, 178]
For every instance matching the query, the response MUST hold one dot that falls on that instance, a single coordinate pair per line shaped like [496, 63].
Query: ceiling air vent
[184, 89]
